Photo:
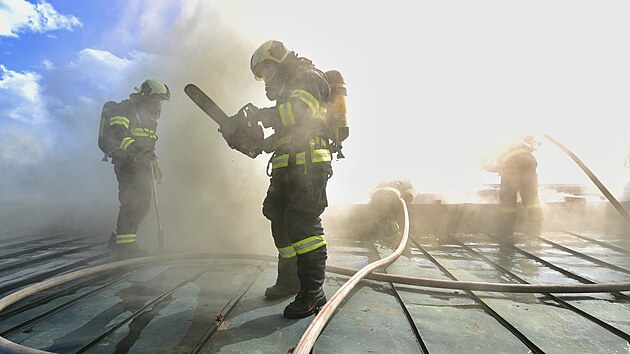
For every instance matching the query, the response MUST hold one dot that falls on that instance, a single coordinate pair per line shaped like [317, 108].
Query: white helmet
[272, 51]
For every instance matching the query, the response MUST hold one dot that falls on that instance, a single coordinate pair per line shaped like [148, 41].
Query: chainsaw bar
[206, 104]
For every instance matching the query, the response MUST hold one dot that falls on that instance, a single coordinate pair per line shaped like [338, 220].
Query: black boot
[306, 303]
[111, 243]
[129, 250]
[287, 283]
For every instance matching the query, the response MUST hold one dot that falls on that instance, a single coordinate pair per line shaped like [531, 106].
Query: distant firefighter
[385, 211]
[128, 135]
[517, 168]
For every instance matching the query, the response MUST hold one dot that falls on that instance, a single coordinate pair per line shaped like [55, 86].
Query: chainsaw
[239, 131]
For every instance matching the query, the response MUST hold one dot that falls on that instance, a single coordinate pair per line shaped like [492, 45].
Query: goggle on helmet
[270, 51]
[154, 89]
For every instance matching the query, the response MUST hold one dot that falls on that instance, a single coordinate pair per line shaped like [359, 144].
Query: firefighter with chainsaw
[305, 136]
[128, 135]
[517, 168]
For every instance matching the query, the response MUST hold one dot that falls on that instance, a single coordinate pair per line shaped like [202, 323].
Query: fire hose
[593, 178]
[309, 337]
[9, 347]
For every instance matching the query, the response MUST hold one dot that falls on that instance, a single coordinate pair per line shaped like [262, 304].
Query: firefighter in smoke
[517, 168]
[128, 137]
[384, 208]
[300, 169]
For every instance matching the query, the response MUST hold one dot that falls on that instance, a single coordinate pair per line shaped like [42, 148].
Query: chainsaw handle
[250, 112]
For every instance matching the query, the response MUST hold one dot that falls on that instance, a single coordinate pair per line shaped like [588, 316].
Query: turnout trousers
[526, 185]
[134, 193]
[294, 202]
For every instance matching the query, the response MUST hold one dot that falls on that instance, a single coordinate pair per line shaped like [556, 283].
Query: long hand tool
[157, 206]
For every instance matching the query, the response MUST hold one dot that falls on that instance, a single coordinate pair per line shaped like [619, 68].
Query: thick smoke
[210, 195]
[432, 89]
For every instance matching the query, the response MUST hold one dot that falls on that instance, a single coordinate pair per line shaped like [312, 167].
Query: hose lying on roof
[593, 178]
[9, 347]
[309, 337]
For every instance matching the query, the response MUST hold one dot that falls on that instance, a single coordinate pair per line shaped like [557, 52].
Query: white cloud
[17, 16]
[26, 136]
[94, 57]
[21, 97]
[47, 64]
[107, 72]
[28, 98]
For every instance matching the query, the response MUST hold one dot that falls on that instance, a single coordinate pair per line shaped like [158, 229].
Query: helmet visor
[265, 71]
[158, 98]
[157, 90]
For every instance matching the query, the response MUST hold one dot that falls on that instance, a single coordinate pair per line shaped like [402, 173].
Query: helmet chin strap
[274, 87]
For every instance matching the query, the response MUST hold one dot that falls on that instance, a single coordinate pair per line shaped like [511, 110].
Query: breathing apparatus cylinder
[337, 110]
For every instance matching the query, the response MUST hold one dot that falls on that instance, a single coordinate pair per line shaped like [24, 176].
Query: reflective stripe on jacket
[129, 131]
[301, 113]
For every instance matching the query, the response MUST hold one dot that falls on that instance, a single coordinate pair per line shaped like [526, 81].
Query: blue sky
[58, 65]
[26, 46]
[29, 45]
[434, 87]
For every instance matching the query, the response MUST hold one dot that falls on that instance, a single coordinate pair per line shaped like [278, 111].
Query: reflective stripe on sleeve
[125, 142]
[307, 98]
[286, 114]
[308, 244]
[119, 120]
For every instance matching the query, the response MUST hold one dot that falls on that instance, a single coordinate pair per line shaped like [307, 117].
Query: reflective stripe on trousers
[125, 238]
[301, 247]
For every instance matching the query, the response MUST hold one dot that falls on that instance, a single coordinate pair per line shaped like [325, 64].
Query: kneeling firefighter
[128, 135]
[384, 208]
[309, 124]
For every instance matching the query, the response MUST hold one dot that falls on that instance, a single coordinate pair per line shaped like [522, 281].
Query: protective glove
[254, 153]
[250, 112]
[267, 116]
